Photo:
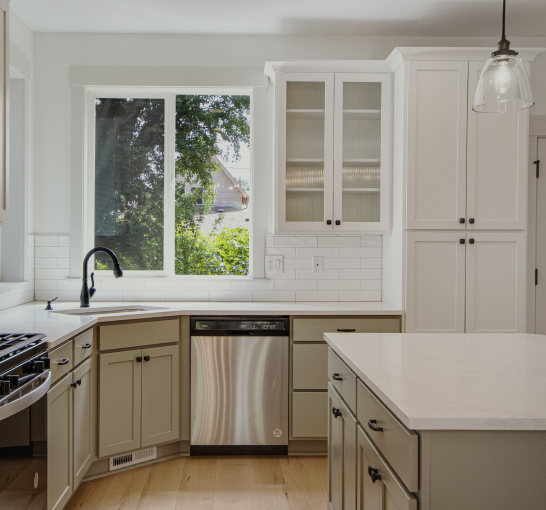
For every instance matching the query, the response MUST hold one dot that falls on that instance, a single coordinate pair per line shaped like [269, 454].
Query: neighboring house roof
[230, 177]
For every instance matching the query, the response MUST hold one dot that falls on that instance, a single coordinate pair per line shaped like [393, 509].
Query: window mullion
[169, 211]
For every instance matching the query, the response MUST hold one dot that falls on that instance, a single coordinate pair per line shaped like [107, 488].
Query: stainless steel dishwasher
[239, 385]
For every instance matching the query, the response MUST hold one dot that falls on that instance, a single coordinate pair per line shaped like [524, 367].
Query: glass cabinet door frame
[328, 157]
[384, 223]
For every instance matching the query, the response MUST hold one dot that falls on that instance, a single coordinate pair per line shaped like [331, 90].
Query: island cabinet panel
[399, 445]
[341, 454]
[120, 377]
[378, 486]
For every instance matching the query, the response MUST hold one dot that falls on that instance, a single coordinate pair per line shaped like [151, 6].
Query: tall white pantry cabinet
[465, 183]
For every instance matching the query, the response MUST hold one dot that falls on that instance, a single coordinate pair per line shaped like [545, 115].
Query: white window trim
[258, 185]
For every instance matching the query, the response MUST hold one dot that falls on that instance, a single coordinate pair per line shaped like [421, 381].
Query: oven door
[23, 447]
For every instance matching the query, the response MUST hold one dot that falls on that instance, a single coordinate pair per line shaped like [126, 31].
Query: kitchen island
[438, 421]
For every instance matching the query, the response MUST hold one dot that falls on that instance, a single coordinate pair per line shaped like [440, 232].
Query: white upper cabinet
[333, 151]
[465, 170]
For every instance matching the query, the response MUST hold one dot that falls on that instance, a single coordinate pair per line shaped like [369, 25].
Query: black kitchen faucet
[87, 293]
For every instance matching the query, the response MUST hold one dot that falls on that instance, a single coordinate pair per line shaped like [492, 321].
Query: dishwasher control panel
[228, 325]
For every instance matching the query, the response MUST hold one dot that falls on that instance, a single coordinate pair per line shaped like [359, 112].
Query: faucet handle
[92, 290]
[48, 307]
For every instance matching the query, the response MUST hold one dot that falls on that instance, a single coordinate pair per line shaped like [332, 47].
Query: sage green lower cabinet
[138, 399]
[378, 487]
[82, 378]
[341, 454]
[59, 444]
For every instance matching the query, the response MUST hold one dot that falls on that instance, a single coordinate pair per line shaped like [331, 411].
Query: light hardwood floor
[211, 483]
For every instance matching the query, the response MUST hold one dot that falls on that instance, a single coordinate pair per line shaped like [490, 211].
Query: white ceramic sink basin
[108, 310]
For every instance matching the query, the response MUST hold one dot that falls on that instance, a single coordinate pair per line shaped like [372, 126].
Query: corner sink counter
[59, 326]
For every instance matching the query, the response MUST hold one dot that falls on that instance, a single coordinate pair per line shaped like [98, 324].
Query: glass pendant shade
[503, 86]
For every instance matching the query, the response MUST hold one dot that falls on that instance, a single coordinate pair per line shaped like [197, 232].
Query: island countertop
[452, 381]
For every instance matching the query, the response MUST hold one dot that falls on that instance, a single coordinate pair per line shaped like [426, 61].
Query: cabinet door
[362, 152]
[59, 444]
[160, 395]
[341, 454]
[378, 486]
[83, 426]
[435, 294]
[495, 282]
[496, 165]
[437, 117]
[120, 400]
[305, 152]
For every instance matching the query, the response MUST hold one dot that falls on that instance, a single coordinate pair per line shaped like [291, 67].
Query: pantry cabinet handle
[341, 330]
[336, 412]
[86, 346]
[371, 424]
[337, 377]
[65, 361]
[374, 474]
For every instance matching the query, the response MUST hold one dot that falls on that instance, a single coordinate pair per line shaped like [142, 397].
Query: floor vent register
[129, 459]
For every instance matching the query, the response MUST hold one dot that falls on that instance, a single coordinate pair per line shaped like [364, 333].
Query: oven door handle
[28, 399]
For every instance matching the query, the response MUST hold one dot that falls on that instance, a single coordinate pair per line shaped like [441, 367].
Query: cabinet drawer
[313, 329]
[309, 414]
[83, 346]
[62, 361]
[344, 381]
[138, 334]
[399, 445]
[389, 492]
[310, 366]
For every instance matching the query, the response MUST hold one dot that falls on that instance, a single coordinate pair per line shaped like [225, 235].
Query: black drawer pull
[341, 330]
[337, 377]
[86, 346]
[336, 412]
[371, 424]
[139, 359]
[374, 474]
[65, 361]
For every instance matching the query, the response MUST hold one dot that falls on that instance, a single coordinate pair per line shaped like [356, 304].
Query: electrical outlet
[317, 264]
[273, 263]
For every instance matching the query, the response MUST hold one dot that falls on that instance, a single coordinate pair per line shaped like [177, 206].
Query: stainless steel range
[24, 381]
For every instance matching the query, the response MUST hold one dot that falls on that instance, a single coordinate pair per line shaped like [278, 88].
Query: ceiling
[286, 17]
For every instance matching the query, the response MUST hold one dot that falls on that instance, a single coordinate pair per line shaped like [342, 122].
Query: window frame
[169, 96]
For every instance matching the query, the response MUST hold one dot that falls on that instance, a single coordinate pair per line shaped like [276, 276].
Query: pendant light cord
[503, 19]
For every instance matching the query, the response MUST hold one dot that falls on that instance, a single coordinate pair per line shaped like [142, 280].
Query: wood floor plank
[198, 484]
[233, 485]
[90, 495]
[303, 487]
[125, 489]
[265, 470]
[320, 467]
[269, 497]
[161, 491]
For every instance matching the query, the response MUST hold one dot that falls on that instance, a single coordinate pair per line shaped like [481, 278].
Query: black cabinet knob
[462, 241]
[139, 359]
[328, 222]
[374, 474]
[462, 220]
[471, 220]
[336, 412]
[471, 241]
[74, 384]
[146, 358]
[338, 222]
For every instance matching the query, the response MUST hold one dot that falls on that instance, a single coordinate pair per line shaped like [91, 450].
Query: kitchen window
[170, 182]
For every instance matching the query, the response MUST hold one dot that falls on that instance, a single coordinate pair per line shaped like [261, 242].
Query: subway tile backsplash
[351, 272]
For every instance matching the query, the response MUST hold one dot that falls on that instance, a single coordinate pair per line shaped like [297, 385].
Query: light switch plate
[273, 263]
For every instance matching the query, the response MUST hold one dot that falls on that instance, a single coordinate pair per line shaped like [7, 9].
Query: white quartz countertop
[452, 381]
[33, 318]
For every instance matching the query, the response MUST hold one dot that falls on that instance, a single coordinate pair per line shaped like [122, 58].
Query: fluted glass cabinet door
[362, 152]
[305, 191]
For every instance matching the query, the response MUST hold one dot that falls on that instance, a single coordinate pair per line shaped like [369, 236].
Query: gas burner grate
[12, 344]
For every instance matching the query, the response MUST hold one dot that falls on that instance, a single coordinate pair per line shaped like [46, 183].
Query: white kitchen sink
[108, 310]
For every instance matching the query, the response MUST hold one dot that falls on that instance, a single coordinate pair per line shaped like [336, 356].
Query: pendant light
[504, 83]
